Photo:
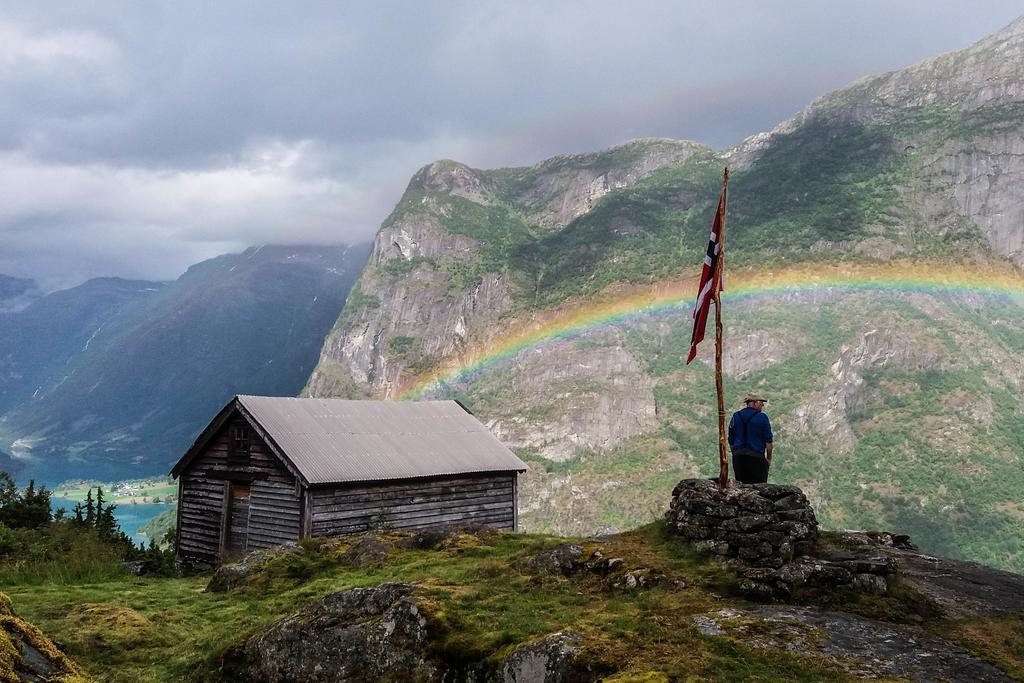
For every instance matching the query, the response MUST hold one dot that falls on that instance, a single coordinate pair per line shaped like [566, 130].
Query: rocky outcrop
[562, 559]
[27, 655]
[961, 589]
[453, 178]
[870, 574]
[765, 525]
[363, 634]
[618, 573]
[984, 184]
[566, 187]
[230, 576]
[548, 660]
[567, 398]
[381, 634]
[415, 320]
[754, 351]
[849, 644]
[890, 342]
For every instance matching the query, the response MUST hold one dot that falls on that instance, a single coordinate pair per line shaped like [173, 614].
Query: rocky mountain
[113, 379]
[895, 402]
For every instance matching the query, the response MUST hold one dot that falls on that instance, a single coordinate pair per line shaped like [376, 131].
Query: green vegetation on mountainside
[831, 180]
[827, 180]
[157, 528]
[481, 598]
[935, 450]
[517, 181]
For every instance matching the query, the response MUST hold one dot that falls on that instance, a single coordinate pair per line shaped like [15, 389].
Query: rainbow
[624, 304]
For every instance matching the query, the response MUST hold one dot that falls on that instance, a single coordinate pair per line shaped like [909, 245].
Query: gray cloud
[137, 138]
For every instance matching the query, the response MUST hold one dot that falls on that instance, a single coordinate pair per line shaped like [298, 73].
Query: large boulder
[380, 634]
[362, 634]
[548, 660]
[228, 577]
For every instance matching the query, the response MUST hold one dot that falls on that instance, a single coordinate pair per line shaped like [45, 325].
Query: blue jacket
[758, 431]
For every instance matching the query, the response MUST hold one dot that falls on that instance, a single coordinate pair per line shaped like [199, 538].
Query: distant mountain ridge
[113, 378]
[896, 409]
[17, 293]
[954, 120]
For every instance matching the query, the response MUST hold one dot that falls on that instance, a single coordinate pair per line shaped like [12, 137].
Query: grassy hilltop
[481, 598]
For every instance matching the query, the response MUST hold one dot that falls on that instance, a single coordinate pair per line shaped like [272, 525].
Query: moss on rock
[26, 654]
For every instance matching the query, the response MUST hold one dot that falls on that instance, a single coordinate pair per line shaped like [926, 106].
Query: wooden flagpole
[723, 458]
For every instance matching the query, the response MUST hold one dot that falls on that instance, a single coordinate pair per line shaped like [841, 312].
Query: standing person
[750, 437]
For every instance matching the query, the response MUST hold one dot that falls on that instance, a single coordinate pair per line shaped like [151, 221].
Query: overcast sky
[137, 138]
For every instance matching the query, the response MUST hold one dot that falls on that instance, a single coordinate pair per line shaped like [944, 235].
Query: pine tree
[35, 506]
[79, 520]
[28, 510]
[90, 511]
[106, 524]
[99, 506]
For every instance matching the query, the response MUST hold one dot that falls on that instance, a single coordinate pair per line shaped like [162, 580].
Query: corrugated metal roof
[335, 440]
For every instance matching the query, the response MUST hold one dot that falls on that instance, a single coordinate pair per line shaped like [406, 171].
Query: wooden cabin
[269, 470]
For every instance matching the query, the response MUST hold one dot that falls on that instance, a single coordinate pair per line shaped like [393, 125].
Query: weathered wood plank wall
[201, 503]
[274, 514]
[486, 500]
[277, 510]
[203, 530]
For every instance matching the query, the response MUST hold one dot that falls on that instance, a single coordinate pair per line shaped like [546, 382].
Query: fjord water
[130, 517]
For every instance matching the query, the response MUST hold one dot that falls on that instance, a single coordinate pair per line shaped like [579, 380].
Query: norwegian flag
[709, 282]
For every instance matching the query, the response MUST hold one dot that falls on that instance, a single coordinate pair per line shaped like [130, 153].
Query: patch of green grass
[999, 640]
[550, 466]
[58, 556]
[400, 344]
[399, 267]
[357, 300]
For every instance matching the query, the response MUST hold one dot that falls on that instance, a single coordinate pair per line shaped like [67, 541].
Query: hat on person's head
[755, 397]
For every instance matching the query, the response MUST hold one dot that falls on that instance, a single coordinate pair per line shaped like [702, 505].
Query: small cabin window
[238, 455]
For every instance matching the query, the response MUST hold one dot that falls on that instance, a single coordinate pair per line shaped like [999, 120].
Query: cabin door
[238, 517]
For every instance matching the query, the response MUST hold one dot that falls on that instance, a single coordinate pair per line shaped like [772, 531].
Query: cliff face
[427, 293]
[956, 122]
[577, 399]
[891, 407]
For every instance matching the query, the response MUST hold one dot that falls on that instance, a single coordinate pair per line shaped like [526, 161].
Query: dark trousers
[749, 466]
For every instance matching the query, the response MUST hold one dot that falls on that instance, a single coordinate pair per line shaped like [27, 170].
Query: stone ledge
[765, 531]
